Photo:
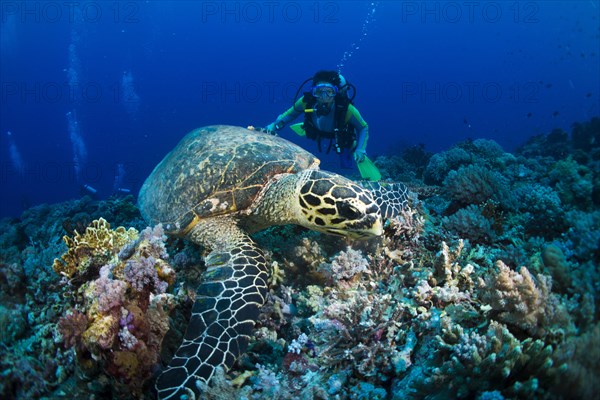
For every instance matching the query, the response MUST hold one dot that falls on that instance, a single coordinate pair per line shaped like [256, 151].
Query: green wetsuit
[326, 123]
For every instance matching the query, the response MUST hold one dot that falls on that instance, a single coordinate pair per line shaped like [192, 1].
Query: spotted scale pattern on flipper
[227, 305]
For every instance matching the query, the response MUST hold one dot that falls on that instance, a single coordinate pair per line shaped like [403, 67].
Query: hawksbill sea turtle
[217, 186]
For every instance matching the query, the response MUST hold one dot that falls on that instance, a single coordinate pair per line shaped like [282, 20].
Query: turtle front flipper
[227, 305]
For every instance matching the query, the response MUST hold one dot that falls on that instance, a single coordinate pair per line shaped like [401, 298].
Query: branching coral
[494, 360]
[523, 301]
[71, 326]
[457, 279]
[481, 152]
[556, 263]
[403, 234]
[351, 332]
[346, 265]
[440, 164]
[584, 235]
[309, 253]
[542, 208]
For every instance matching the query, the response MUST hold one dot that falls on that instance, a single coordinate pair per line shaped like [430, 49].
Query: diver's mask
[324, 91]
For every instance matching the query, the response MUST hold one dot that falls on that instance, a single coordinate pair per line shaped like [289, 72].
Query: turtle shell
[216, 170]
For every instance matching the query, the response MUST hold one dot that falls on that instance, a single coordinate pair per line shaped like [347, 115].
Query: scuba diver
[331, 118]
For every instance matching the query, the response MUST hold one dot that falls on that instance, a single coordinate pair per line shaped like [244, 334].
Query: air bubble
[370, 17]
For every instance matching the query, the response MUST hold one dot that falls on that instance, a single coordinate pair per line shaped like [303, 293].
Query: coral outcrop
[121, 310]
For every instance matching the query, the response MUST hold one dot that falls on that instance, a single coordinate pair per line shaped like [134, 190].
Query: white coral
[297, 344]
[349, 263]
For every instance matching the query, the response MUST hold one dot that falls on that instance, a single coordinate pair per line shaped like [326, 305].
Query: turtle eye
[348, 211]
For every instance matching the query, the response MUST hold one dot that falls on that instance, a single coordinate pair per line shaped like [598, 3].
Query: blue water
[137, 76]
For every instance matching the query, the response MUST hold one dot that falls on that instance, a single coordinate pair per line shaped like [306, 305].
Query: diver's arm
[362, 129]
[288, 116]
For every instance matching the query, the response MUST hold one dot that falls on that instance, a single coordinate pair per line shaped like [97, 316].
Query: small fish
[529, 114]
[555, 113]
[548, 85]
[588, 94]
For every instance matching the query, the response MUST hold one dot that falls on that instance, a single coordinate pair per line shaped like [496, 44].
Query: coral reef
[580, 354]
[487, 288]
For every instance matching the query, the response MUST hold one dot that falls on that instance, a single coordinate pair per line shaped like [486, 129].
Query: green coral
[573, 182]
[582, 355]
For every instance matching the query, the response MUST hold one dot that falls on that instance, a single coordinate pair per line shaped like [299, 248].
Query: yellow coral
[165, 271]
[312, 299]
[95, 247]
[88, 291]
[127, 364]
[102, 332]
[277, 275]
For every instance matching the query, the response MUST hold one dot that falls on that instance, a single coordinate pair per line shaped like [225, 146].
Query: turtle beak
[377, 227]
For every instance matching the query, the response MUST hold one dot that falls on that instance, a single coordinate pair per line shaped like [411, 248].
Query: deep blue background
[426, 72]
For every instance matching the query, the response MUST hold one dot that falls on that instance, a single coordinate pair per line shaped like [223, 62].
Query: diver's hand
[272, 127]
[359, 155]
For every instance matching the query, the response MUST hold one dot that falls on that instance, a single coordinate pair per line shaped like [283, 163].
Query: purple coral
[141, 273]
[156, 239]
[126, 321]
[110, 292]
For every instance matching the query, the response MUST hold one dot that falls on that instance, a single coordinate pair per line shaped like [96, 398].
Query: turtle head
[332, 204]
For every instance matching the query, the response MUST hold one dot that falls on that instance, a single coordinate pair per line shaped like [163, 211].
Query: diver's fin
[368, 170]
[298, 129]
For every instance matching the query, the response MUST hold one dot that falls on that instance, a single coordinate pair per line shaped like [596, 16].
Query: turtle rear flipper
[391, 197]
[227, 305]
